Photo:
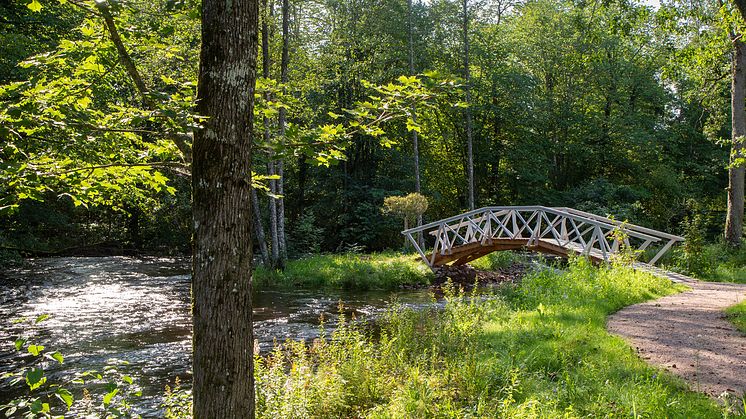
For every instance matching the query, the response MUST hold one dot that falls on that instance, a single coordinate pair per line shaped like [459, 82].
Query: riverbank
[377, 271]
[382, 271]
[539, 349]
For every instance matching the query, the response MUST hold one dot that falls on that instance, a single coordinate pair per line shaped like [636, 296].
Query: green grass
[737, 315]
[497, 260]
[536, 350]
[711, 262]
[385, 271]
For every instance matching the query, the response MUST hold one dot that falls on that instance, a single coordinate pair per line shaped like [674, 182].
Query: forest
[181, 161]
[614, 107]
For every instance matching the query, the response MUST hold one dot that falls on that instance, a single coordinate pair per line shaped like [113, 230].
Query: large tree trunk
[734, 219]
[467, 88]
[223, 340]
[285, 62]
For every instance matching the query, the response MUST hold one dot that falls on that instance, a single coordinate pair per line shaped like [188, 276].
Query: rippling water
[137, 310]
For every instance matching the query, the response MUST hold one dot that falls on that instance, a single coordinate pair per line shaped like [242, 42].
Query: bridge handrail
[634, 232]
[628, 226]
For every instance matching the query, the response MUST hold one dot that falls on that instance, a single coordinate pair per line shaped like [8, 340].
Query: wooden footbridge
[560, 231]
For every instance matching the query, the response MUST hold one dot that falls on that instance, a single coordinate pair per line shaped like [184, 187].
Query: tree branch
[173, 165]
[181, 140]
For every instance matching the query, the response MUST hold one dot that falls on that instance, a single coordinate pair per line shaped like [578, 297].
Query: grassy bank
[384, 271]
[538, 350]
[737, 315]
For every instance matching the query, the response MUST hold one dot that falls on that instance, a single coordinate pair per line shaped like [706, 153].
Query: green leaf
[413, 126]
[35, 378]
[36, 406]
[110, 395]
[83, 102]
[40, 318]
[65, 396]
[19, 343]
[127, 379]
[35, 350]
[35, 6]
[58, 357]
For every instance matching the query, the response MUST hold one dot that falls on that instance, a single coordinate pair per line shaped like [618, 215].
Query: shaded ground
[688, 334]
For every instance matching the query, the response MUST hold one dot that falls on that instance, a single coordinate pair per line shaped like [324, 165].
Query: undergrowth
[539, 349]
[384, 271]
[711, 262]
[737, 315]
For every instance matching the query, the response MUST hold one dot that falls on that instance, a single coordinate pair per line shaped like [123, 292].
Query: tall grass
[536, 350]
[384, 271]
[737, 315]
[711, 262]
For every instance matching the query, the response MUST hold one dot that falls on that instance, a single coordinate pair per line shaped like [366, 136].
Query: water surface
[137, 310]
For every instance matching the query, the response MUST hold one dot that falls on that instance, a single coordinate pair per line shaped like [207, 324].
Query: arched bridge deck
[560, 231]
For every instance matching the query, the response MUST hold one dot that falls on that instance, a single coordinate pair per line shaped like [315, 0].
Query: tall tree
[271, 168]
[284, 63]
[467, 111]
[737, 168]
[415, 139]
[221, 184]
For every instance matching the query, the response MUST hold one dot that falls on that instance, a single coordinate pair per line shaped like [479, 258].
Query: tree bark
[734, 218]
[223, 341]
[467, 88]
[415, 139]
[285, 62]
[275, 247]
[259, 228]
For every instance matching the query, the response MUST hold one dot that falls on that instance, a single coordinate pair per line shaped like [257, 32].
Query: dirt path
[688, 335]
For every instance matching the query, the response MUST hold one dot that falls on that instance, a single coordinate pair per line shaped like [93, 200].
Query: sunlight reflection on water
[138, 310]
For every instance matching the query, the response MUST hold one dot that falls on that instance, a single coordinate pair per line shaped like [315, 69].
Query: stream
[137, 310]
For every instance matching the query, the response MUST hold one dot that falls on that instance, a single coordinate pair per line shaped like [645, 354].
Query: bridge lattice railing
[570, 229]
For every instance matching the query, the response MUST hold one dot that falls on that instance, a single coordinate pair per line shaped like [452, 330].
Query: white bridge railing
[566, 228]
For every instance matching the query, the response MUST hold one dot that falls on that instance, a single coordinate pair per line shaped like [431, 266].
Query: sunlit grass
[712, 262]
[737, 315]
[536, 350]
[384, 271]
[497, 260]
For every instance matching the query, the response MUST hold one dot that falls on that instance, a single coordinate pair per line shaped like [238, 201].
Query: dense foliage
[615, 107]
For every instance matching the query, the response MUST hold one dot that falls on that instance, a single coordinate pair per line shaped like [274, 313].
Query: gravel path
[688, 335]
